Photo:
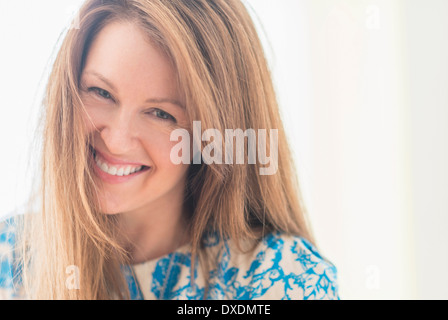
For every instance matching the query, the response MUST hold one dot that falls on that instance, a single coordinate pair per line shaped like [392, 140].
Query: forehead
[123, 54]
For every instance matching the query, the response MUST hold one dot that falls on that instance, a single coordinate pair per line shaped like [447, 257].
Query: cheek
[89, 126]
[158, 146]
[92, 120]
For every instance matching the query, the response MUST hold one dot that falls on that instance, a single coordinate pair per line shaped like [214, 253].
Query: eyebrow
[151, 100]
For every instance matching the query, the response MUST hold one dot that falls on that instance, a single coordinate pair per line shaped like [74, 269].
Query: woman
[120, 219]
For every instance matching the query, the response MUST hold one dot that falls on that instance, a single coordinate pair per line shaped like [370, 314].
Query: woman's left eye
[102, 93]
[163, 115]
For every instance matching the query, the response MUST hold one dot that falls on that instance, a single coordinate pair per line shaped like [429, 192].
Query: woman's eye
[102, 93]
[163, 115]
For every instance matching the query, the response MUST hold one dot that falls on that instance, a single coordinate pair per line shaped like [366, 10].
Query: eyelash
[101, 93]
[169, 117]
[106, 95]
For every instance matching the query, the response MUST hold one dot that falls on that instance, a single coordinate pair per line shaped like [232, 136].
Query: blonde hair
[227, 85]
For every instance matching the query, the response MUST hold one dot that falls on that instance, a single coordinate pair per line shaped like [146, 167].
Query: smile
[116, 170]
[119, 171]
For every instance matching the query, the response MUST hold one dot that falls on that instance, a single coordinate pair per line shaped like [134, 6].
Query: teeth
[104, 167]
[112, 171]
[116, 171]
[136, 169]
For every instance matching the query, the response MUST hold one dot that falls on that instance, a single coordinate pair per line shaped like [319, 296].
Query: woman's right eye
[101, 92]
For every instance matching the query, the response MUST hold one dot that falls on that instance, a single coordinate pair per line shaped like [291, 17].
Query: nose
[118, 134]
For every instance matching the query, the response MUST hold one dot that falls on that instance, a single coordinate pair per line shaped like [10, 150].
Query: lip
[117, 161]
[115, 179]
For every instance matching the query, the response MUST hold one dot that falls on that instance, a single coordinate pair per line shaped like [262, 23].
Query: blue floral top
[280, 267]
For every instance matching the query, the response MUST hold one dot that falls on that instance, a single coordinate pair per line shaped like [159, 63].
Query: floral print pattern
[280, 267]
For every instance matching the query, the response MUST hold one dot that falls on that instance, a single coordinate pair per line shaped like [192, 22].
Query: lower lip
[115, 179]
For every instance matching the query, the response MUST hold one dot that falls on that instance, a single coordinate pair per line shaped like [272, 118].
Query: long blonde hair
[227, 85]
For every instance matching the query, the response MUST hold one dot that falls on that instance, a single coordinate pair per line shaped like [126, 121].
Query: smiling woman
[130, 114]
[133, 223]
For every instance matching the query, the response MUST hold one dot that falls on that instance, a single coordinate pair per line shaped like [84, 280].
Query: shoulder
[8, 227]
[294, 268]
[8, 237]
[8, 233]
[280, 267]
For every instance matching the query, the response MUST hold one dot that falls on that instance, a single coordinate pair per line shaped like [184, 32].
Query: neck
[154, 232]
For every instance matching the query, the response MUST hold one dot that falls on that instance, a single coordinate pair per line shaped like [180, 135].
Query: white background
[363, 90]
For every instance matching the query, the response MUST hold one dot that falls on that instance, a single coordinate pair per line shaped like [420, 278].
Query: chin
[109, 212]
[109, 208]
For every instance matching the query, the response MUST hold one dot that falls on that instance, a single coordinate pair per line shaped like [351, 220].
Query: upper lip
[115, 161]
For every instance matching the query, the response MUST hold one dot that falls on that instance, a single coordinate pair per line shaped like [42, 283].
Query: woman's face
[130, 92]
